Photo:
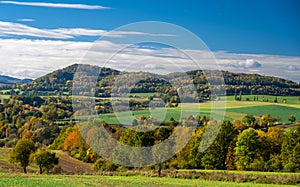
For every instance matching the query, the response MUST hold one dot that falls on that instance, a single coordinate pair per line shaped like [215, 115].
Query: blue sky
[257, 29]
[268, 27]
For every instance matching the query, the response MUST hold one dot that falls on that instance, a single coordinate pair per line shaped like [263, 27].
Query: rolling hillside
[60, 83]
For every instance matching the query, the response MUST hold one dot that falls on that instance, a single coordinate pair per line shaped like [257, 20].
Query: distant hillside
[59, 82]
[252, 84]
[5, 80]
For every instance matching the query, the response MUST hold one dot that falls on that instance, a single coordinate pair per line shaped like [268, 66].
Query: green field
[234, 109]
[97, 180]
[157, 113]
[4, 96]
[143, 94]
[280, 112]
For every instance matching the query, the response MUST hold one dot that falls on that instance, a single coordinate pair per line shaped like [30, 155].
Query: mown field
[103, 181]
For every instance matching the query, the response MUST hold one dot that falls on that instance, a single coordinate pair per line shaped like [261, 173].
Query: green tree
[44, 159]
[249, 120]
[215, 156]
[135, 122]
[21, 153]
[291, 150]
[247, 148]
[295, 159]
[292, 118]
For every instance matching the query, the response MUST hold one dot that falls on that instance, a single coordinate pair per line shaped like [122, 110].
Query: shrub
[104, 165]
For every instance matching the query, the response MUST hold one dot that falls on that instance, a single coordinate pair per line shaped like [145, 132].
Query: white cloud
[249, 63]
[34, 58]
[57, 5]
[9, 28]
[26, 20]
[92, 32]
[292, 68]
[273, 65]
[153, 67]
[17, 29]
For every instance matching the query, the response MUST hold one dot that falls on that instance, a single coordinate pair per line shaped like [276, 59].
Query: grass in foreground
[96, 180]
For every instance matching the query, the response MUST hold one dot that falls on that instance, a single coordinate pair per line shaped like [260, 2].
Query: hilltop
[59, 82]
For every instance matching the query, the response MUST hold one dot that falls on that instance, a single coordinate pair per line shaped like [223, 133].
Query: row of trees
[256, 98]
[247, 148]
[251, 147]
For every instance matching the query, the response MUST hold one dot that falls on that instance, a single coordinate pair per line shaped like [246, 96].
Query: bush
[11, 143]
[257, 165]
[104, 165]
[3, 142]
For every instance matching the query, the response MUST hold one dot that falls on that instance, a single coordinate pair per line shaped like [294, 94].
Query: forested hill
[59, 82]
[4, 80]
[252, 83]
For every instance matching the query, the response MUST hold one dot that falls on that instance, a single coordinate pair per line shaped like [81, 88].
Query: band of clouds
[26, 58]
[26, 20]
[18, 29]
[57, 5]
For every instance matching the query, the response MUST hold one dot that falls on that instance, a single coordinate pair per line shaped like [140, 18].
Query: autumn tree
[230, 156]
[275, 138]
[266, 120]
[74, 141]
[238, 125]
[21, 153]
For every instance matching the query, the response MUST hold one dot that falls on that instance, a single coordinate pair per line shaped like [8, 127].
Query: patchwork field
[233, 109]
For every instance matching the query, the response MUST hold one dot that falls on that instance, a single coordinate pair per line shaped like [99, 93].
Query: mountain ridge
[60, 81]
[7, 80]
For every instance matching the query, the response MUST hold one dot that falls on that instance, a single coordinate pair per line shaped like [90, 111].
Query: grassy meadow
[32, 180]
